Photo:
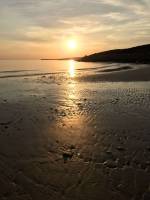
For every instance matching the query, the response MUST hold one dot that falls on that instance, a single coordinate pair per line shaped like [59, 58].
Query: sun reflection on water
[72, 68]
[71, 119]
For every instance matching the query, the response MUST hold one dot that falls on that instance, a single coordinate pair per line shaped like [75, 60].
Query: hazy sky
[41, 28]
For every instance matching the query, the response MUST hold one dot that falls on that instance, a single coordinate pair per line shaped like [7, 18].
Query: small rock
[56, 110]
[67, 156]
[78, 154]
[110, 164]
[63, 114]
[120, 148]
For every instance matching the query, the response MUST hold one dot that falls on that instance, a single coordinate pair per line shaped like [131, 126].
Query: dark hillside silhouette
[139, 54]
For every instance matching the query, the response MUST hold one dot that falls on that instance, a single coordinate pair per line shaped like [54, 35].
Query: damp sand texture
[68, 139]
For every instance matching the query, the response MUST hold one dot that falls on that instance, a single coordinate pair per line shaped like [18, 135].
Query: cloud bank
[104, 24]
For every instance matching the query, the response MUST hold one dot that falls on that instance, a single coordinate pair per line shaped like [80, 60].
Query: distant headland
[138, 54]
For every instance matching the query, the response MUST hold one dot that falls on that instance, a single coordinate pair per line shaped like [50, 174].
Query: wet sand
[119, 74]
[74, 140]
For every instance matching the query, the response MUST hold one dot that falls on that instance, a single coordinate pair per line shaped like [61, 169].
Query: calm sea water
[31, 67]
[20, 68]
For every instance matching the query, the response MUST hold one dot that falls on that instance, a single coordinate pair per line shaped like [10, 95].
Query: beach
[77, 134]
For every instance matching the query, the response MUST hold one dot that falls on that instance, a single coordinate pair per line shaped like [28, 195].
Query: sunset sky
[43, 28]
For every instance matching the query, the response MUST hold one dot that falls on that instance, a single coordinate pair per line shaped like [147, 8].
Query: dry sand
[75, 140]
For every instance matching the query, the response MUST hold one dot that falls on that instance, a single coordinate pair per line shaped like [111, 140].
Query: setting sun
[72, 44]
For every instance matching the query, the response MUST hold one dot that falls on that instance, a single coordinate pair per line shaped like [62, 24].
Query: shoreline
[113, 72]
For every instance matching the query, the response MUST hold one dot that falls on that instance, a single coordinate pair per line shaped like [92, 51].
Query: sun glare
[72, 68]
[72, 44]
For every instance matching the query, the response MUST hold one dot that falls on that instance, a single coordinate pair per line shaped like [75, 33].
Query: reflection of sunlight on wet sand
[72, 92]
[71, 126]
[72, 68]
[71, 113]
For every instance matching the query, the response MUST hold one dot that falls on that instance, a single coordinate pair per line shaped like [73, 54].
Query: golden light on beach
[72, 68]
[72, 44]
